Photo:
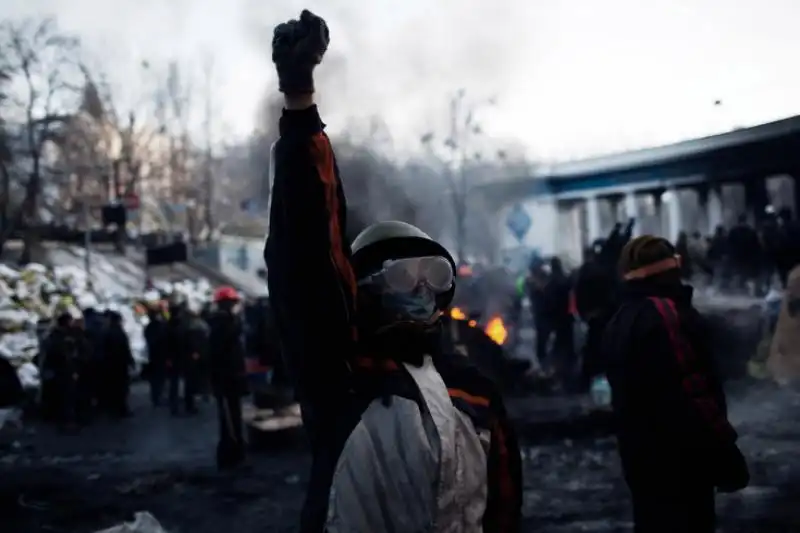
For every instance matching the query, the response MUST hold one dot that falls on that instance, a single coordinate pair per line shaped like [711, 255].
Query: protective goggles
[405, 275]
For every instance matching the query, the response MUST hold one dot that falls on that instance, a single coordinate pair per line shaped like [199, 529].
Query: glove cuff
[295, 81]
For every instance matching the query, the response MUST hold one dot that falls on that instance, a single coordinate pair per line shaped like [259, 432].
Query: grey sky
[572, 77]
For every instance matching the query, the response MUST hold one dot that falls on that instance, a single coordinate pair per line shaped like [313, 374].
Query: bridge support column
[714, 212]
[674, 214]
[632, 211]
[593, 218]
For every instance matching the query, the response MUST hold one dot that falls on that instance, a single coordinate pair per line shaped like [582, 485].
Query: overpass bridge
[694, 185]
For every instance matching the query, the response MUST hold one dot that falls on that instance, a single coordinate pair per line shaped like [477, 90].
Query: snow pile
[30, 298]
[110, 274]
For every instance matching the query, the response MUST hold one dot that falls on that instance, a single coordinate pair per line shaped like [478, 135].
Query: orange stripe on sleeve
[325, 166]
[469, 398]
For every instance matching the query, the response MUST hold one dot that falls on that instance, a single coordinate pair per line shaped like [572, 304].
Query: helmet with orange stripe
[649, 257]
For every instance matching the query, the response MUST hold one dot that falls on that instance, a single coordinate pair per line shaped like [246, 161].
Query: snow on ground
[114, 282]
[111, 274]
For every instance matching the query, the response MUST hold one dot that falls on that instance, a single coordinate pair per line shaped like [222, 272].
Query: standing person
[65, 350]
[676, 444]
[95, 331]
[176, 351]
[687, 260]
[745, 253]
[228, 376]
[556, 296]
[155, 335]
[595, 301]
[542, 321]
[719, 257]
[195, 371]
[404, 436]
[118, 364]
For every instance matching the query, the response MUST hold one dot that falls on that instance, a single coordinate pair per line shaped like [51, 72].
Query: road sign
[519, 222]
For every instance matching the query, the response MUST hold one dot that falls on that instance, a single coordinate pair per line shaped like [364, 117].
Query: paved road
[78, 484]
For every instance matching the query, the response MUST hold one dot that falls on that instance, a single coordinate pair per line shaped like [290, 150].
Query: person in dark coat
[155, 335]
[195, 369]
[177, 353]
[228, 377]
[65, 352]
[745, 253]
[399, 430]
[118, 362]
[675, 442]
[92, 379]
[543, 325]
[682, 248]
[595, 301]
[556, 302]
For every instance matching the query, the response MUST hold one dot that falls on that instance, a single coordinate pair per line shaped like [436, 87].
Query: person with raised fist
[405, 437]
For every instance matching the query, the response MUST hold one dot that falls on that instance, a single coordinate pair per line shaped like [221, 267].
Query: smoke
[386, 81]
[400, 59]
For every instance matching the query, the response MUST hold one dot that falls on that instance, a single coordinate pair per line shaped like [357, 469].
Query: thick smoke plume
[385, 84]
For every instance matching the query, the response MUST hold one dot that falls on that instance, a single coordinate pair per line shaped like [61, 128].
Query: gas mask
[406, 289]
[416, 306]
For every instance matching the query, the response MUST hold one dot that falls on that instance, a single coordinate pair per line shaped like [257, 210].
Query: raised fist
[297, 47]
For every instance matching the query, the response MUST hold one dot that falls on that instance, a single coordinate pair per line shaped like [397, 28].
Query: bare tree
[174, 108]
[457, 153]
[43, 63]
[5, 157]
[209, 162]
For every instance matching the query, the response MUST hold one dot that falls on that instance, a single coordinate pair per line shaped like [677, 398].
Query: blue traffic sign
[519, 222]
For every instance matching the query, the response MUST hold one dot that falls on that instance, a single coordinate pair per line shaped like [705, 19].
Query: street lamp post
[87, 241]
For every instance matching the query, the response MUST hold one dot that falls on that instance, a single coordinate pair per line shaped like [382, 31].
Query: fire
[457, 313]
[496, 330]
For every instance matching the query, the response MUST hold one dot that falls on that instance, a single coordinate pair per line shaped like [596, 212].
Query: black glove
[732, 473]
[298, 47]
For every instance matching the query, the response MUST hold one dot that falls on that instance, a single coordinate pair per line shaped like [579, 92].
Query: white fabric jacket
[406, 469]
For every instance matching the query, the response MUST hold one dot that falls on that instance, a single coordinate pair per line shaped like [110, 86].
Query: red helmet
[226, 293]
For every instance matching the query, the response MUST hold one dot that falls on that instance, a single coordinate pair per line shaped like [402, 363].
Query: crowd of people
[407, 435]
[745, 257]
[194, 351]
[85, 361]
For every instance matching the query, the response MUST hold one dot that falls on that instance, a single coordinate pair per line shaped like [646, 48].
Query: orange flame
[457, 313]
[496, 330]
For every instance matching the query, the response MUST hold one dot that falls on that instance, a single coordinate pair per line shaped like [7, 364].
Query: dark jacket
[66, 350]
[95, 333]
[118, 357]
[155, 334]
[176, 344]
[197, 333]
[313, 291]
[226, 352]
[667, 398]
